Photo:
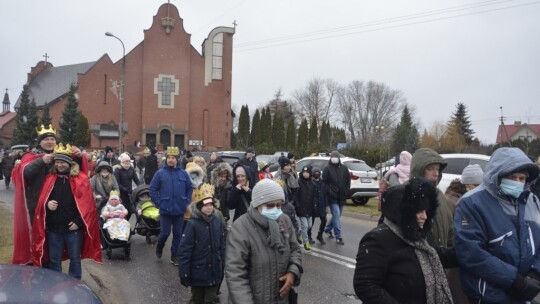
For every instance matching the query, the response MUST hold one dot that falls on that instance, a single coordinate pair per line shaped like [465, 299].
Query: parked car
[264, 158]
[27, 284]
[231, 157]
[383, 167]
[456, 163]
[364, 179]
[17, 148]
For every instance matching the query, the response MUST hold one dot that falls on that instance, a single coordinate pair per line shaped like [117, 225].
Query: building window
[217, 57]
[166, 87]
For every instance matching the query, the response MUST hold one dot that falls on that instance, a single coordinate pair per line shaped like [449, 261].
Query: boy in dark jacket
[320, 210]
[203, 243]
[307, 203]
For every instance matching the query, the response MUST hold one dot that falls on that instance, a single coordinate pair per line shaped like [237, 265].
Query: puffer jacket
[171, 190]
[252, 267]
[443, 230]
[221, 192]
[497, 236]
[307, 197]
[202, 250]
[338, 181]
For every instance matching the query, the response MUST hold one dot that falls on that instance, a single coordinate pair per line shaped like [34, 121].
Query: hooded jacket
[443, 230]
[239, 199]
[171, 190]
[221, 192]
[338, 181]
[202, 250]
[497, 236]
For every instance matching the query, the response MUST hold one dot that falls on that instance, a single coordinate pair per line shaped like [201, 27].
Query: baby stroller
[148, 220]
[107, 242]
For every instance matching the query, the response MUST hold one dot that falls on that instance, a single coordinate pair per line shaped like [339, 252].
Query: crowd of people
[475, 243]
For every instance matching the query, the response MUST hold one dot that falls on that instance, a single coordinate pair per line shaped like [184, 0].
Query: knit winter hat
[335, 153]
[250, 150]
[63, 157]
[265, 191]
[290, 155]
[283, 161]
[108, 149]
[472, 175]
[124, 157]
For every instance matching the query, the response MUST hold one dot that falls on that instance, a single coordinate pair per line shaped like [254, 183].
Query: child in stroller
[115, 229]
[147, 213]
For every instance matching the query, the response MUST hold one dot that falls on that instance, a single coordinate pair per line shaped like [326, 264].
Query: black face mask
[316, 175]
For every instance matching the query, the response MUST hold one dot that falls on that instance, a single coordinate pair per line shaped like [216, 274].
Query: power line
[218, 17]
[300, 40]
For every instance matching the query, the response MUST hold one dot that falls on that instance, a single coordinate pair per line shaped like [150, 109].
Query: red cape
[80, 186]
[22, 249]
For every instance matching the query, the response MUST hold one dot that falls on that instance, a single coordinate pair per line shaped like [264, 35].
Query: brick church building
[174, 96]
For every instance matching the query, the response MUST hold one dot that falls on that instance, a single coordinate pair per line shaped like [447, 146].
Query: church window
[166, 87]
[217, 57]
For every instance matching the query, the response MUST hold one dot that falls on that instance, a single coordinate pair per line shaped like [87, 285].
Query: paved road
[146, 279]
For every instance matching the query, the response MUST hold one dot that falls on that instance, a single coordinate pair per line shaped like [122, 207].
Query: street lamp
[379, 130]
[122, 87]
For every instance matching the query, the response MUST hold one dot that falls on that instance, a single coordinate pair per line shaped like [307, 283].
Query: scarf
[288, 178]
[274, 239]
[437, 290]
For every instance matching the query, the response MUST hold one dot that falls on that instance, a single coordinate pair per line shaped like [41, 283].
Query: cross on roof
[166, 87]
[46, 56]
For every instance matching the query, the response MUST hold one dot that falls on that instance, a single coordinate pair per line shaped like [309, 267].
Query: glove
[524, 288]
[185, 282]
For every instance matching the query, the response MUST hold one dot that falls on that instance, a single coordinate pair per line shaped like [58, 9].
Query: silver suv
[456, 163]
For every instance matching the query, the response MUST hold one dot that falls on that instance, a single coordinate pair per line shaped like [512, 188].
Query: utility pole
[503, 127]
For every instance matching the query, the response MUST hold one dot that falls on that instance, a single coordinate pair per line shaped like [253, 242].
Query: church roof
[6, 98]
[54, 82]
[6, 117]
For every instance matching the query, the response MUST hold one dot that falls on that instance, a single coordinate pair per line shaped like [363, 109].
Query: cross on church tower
[46, 57]
[166, 87]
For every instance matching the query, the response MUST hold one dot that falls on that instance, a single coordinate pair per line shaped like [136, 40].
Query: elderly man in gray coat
[264, 260]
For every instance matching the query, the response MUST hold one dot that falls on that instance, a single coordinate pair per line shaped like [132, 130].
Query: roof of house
[6, 117]
[510, 130]
[54, 82]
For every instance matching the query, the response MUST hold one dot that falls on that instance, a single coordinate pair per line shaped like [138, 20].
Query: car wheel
[360, 200]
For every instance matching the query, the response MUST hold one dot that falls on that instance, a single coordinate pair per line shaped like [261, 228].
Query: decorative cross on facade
[46, 57]
[166, 86]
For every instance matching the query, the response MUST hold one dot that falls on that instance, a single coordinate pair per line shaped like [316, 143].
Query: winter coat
[171, 190]
[307, 198]
[103, 186]
[338, 181]
[253, 165]
[497, 236]
[221, 192]
[125, 179]
[443, 230]
[252, 267]
[322, 203]
[150, 168]
[239, 199]
[7, 165]
[202, 250]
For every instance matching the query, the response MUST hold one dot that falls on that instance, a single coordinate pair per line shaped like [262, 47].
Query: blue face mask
[511, 187]
[272, 213]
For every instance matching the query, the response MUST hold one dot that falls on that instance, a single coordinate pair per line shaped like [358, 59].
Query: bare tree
[317, 100]
[367, 106]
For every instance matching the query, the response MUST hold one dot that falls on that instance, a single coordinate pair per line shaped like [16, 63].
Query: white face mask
[334, 160]
[104, 174]
[125, 165]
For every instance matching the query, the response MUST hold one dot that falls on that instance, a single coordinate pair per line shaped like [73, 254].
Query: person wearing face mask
[319, 212]
[264, 260]
[497, 228]
[125, 176]
[102, 183]
[338, 181]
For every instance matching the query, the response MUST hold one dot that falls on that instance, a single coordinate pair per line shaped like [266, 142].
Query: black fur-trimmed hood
[401, 203]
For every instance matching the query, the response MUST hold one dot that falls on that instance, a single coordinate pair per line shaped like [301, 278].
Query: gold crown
[280, 182]
[173, 151]
[50, 129]
[146, 150]
[204, 191]
[114, 192]
[60, 149]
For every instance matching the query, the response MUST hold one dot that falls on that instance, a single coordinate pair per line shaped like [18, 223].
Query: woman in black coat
[395, 263]
[240, 192]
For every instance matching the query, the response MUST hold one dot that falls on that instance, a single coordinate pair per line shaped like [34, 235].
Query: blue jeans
[73, 241]
[305, 224]
[336, 209]
[165, 223]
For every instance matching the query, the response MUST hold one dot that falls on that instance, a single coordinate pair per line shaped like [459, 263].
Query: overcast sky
[485, 54]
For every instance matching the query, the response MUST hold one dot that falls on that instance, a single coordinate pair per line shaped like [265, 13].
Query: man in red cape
[86, 219]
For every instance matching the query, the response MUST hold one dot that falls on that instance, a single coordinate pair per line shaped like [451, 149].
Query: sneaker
[340, 241]
[175, 261]
[320, 239]
[159, 251]
[307, 247]
[329, 234]
[311, 241]
[299, 238]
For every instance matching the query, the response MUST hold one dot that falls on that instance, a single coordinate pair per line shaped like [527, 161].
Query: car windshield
[357, 165]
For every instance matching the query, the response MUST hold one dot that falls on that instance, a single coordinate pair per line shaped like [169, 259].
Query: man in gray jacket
[264, 260]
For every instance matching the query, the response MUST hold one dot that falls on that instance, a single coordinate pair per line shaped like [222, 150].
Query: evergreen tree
[278, 132]
[303, 136]
[70, 116]
[82, 137]
[313, 136]
[46, 117]
[256, 130]
[405, 135]
[461, 121]
[325, 135]
[32, 121]
[290, 142]
[242, 139]
[266, 126]
[23, 133]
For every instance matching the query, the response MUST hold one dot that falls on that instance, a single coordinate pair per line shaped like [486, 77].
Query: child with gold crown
[114, 215]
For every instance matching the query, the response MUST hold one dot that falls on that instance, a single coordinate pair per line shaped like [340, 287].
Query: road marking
[348, 265]
[344, 258]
